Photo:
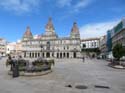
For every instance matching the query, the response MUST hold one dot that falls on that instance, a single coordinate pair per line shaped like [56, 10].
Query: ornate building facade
[49, 45]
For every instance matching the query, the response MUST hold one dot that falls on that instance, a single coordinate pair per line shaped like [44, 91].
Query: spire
[28, 32]
[75, 28]
[49, 26]
[75, 31]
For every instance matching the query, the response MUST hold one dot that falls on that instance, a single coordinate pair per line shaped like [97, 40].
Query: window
[67, 47]
[48, 45]
[64, 48]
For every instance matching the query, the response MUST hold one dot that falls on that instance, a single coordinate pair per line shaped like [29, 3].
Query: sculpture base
[22, 73]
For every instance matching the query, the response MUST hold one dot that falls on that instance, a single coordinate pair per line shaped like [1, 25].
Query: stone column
[44, 54]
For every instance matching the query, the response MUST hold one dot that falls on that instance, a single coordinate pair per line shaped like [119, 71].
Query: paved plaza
[67, 72]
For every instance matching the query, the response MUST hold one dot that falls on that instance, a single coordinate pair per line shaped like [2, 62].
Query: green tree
[118, 51]
[123, 51]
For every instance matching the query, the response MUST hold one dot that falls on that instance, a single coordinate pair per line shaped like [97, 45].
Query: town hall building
[49, 45]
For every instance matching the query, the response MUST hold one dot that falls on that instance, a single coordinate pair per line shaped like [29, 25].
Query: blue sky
[94, 17]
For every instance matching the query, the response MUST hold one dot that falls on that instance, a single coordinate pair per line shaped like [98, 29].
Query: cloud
[62, 3]
[81, 4]
[19, 6]
[24, 6]
[96, 29]
[75, 6]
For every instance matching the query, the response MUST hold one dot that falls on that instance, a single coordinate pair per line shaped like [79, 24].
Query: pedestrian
[83, 58]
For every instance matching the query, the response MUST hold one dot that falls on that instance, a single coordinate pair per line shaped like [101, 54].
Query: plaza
[72, 72]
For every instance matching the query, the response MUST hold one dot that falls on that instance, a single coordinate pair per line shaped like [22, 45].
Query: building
[3, 44]
[109, 44]
[103, 46]
[118, 33]
[90, 46]
[114, 36]
[14, 48]
[18, 48]
[11, 48]
[90, 43]
[49, 45]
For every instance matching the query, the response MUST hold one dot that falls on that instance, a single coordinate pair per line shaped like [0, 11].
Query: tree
[118, 51]
[123, 51]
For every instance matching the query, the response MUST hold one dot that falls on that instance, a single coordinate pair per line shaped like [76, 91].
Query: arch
[64, 54]
[47, 54]
[67, 55]
[60, 55]
[35, 55]
[74, 54]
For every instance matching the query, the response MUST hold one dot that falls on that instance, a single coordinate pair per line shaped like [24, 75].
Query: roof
[28, 32]
[90, 39]
[75, 28]
[50, 24]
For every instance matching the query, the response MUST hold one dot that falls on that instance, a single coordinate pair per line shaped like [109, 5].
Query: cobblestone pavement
[67, 72]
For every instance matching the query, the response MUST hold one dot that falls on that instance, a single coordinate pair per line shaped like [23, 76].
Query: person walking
[83, 58]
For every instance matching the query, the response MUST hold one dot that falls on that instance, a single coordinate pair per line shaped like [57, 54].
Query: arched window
[48, 45]
[67, 55]
[47, 54]
[60, 55]
[63, 54]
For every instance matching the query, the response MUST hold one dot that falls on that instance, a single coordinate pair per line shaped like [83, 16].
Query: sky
[93, 17]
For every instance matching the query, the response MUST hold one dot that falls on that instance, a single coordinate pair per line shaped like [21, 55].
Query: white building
[11, 48]
[90, 43]
[14, 48]
[90, 47]
[49, 45]
[3, 44]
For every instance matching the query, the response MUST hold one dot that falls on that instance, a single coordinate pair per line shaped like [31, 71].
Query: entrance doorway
[47, 54]
[63, 54]
[67, 55]
[60, 55]
[74, 55]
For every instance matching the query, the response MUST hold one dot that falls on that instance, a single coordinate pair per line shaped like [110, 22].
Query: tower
[50, 30]
[74, 31]
[27, 35]
[49, 26]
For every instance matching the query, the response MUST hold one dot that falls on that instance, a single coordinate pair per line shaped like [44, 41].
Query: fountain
[37, 67]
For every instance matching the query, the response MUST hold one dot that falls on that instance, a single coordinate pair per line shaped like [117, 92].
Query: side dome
[28, 34]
